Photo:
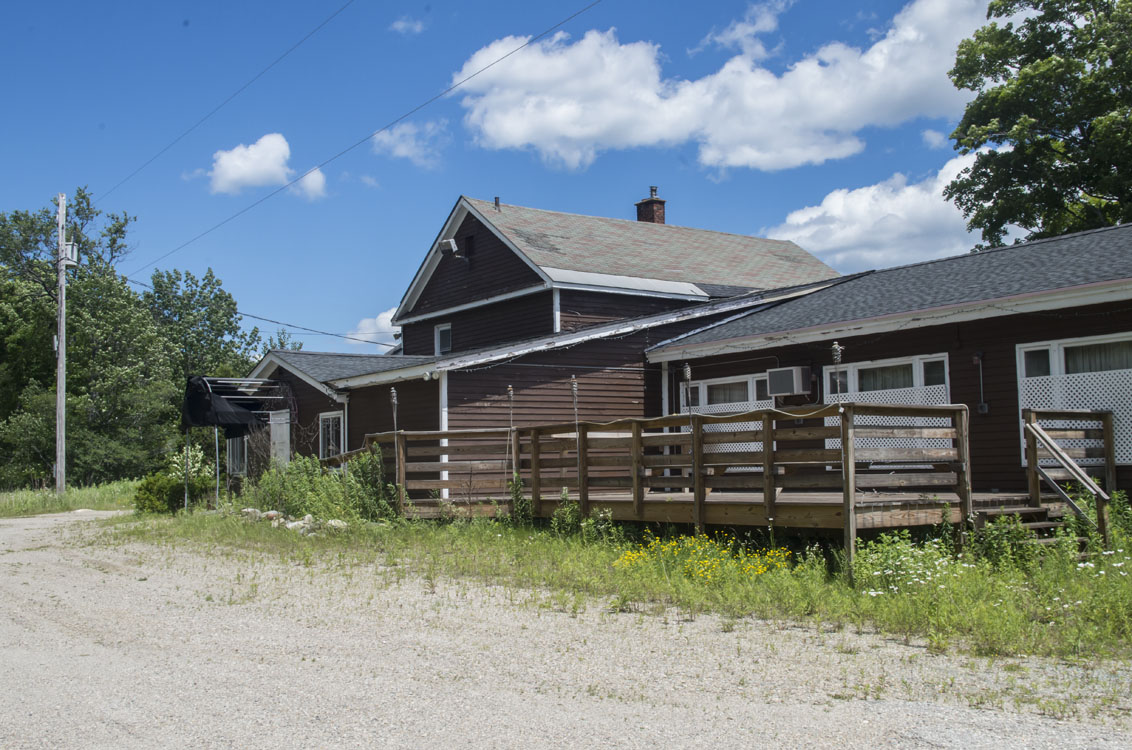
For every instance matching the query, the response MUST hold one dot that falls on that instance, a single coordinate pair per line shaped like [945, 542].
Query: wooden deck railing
[837, 457]
[1089, 435]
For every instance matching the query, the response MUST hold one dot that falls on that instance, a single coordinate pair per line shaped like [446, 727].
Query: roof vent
[651, 209]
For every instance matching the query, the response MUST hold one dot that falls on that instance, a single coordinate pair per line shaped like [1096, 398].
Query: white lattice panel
[931, 395]
[733, 408]
[1110, 390]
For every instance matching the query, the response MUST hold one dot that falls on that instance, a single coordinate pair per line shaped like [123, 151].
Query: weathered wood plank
[920, 455]
[636, 468]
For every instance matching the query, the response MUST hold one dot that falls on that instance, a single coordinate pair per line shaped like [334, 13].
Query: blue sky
[821, 122]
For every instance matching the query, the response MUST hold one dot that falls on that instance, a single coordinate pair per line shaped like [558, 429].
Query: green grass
[1052, 604]
[110, 496]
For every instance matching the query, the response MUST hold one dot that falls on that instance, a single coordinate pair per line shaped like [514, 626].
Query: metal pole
[186, 468]
[216, 441]
[61, 354]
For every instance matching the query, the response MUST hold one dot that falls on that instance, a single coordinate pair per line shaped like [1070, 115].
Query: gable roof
[572, 251]
[318, 369]
[1075, 269]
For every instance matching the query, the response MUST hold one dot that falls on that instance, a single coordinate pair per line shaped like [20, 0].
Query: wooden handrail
[1036, 435]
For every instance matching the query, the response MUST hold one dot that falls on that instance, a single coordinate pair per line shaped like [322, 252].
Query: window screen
[1036, 362]
[934, 372]
[1116, 355]
[884, 378]
[727, 393]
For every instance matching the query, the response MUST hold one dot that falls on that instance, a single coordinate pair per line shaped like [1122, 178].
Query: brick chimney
[651, 209]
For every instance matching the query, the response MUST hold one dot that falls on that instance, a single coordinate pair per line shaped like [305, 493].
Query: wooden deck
[848, 466]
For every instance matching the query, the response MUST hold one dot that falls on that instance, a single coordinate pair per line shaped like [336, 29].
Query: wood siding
[307, 403]
[514, 319]
[614, 381]
[583, 309]
[996, 454]
[491, 269]
[418, 408]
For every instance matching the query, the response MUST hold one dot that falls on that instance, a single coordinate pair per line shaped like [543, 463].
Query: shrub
[1005, 543]
[162, 493]
[522, 510]
[893, 563]
[303, 486]
[567, 517]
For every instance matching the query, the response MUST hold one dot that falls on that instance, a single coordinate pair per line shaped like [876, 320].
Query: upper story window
[443, 338]
[330, 434]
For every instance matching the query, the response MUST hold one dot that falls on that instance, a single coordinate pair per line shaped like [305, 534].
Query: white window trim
[1056, 349]
[851, 369]
[436, 338]
[701, 385]
[341, 431]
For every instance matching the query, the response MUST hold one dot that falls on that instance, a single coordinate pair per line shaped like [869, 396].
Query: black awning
[232, 403]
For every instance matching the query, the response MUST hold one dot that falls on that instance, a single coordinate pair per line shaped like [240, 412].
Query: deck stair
[1044, 521]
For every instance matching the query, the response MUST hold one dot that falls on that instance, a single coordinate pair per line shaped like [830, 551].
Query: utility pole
[61, 354]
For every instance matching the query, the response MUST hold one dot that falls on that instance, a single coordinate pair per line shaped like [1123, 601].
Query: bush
[1005, 543]
[303, 486]
[163, 493]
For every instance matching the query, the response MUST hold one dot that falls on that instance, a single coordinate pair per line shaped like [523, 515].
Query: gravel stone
[147, 646]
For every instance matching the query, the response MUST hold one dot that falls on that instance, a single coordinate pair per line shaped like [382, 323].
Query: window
[878, 376]
[330, 435]
[443, 334]
[238, 456]
[720, 392]
[1093, 372]
[1076, 356]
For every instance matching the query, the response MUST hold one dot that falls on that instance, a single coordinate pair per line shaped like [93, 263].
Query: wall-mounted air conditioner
[788, 381]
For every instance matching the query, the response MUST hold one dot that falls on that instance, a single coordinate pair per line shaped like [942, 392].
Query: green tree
[200, 322]
[1051, 121]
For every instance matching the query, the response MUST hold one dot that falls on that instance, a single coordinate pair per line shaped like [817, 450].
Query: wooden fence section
[823, 466]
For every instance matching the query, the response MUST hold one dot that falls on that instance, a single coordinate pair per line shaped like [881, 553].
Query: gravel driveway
[139, 646]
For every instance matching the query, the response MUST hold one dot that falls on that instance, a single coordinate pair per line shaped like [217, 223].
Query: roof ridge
[661, 227]
[332, 354]
[1004, 248]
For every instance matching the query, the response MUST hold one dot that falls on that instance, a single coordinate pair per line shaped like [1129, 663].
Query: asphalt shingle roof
[620, 247]
[1041, 266]
[327, 366]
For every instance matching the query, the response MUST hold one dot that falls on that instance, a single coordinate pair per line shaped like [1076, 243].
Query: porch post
[848, 485]
[399, 449]
[699, 491]
[1109, 427]
[1032, 478]
[636, 460]
[536, 474]
[583, 470]
[962, 421]
[769, 491]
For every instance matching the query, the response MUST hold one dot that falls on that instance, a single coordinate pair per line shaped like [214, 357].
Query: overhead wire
[369, 136]
[290, 326]
[221, 105]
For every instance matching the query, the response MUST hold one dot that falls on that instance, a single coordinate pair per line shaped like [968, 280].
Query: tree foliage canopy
[1051, 121]
[127, 354]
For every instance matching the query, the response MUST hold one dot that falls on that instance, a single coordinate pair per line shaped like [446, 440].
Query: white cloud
[744, 35]
[379, 330]
[420, 144]
[368, 181]
[407, 26]
[571, 100]
[886, 224]
[935, 139]
[260, 164]
[312, 185]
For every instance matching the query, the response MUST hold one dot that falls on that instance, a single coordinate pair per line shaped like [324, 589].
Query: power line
[281, 323]
[368, 137]
[219, 106]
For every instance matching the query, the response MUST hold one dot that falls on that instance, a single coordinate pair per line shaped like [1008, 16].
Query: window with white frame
[867, 381]
[330, 435]
[443, 338]
[1088, 372]
[907, 381]
[720, 395]
[237, 456]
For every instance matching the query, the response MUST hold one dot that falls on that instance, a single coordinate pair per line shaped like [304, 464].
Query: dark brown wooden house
[1046, 325]
[513, 306]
